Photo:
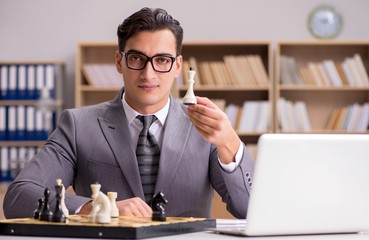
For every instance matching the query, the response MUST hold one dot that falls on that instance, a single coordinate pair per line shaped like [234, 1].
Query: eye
[136, 57]
[162, 59]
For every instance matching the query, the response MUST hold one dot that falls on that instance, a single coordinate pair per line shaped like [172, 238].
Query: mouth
[148, 87]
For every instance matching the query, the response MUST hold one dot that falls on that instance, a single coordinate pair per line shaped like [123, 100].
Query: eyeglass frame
[149, 59]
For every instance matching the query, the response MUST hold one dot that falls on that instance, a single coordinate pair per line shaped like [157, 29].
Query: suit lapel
[176, 133]
[114, 126]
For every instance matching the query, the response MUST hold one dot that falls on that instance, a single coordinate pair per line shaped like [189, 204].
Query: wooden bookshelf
[320, 100]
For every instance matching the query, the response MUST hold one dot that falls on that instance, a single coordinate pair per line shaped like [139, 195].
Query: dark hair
[149, 19]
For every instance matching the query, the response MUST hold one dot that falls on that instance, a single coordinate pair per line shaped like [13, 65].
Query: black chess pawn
[46, 214]
[37, 212]
[58, 215]
[158, 211]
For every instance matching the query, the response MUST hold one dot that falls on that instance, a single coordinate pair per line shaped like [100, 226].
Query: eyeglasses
[138, 61]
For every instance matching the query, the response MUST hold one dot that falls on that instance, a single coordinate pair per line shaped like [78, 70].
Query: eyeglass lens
[160, 63]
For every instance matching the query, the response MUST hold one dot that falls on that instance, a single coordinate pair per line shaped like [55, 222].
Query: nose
[148, 71]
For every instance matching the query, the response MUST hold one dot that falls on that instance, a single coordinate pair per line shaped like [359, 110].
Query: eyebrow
[157, 54]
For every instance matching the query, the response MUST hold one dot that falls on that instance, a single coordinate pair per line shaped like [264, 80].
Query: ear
[118, 61]
[178, 64]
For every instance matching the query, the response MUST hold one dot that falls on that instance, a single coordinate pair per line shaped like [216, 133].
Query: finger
[134, 207]
[204, 101]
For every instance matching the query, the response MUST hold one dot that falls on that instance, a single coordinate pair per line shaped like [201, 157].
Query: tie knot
[147, 120]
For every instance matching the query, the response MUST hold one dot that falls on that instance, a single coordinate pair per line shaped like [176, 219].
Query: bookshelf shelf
[226, 88]
[315, 88]
[87, 88]
[58, 102]
[21, 143]
[331, 92]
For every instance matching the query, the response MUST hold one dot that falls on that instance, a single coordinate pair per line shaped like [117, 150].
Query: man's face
[146, 90]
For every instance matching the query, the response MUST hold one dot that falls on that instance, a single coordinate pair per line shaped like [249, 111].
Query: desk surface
[210, 235]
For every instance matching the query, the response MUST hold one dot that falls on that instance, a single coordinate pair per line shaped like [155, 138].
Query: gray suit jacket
[92, 144]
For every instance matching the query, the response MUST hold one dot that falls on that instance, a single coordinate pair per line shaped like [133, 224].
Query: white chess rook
[114, 211]
[190, 98]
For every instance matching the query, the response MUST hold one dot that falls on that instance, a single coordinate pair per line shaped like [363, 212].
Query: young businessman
[199, 150]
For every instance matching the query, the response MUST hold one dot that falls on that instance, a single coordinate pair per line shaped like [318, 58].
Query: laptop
[308, 184]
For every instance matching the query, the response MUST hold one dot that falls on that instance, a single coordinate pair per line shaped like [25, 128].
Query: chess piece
[114, 211]
[95, 206]
[100, 212]
[190, 98]
[158, 211]
[62, 200]
[58, 215]
[46, 215]
[37, 212]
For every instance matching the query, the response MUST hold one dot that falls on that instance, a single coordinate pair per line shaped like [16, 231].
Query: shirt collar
[131, 114]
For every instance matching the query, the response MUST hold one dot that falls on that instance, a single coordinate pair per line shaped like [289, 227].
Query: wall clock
[325, 22]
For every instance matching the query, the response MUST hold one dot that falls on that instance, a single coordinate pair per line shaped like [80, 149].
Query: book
[193, 64]
[248, 76]
[4, 165]
[102, 75]
[263, 118]
[363, 123]
[313, 69]
[3, 116]
[342, 74]
[333, 118]
[332, 72]
[22, 83]
[21, 122]
[4, 82]
[303, 116]
[249, 116]
[12, 123]
[232, 111]
[233, 70]
[256, 69]
[12, 84]
[31, 82]
[354, 71]
[361, 69]
[206, 74]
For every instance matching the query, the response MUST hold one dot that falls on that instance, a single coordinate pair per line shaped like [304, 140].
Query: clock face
[325, 22]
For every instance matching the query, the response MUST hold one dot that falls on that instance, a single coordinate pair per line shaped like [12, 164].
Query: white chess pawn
[114, 211]
[190, 98]
[62, 200]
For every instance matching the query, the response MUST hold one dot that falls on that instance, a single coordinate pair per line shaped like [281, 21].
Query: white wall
[51, 29]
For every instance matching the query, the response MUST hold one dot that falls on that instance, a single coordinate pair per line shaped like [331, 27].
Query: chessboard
[119, 228]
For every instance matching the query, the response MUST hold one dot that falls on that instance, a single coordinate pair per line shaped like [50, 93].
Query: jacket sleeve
[234, 187]
[56, 159]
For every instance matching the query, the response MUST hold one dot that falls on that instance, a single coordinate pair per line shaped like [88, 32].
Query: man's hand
[213, 124]
[128, 207]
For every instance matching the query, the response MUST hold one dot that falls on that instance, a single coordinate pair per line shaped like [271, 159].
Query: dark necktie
[148, 154]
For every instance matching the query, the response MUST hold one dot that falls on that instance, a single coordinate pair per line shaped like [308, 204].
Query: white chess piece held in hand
[190, 98]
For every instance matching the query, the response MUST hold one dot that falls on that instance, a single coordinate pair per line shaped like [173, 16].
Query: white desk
[209, 235]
